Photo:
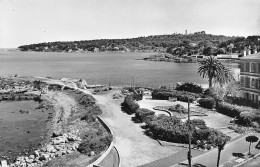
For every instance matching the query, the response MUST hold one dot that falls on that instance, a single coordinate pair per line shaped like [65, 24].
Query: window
[242, 80]
[242, 67]
[253, 83]
[247, 67]
[258, 68]
[253, 69]
[257, 83]
[247, 83]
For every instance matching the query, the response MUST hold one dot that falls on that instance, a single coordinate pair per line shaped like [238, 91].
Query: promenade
[207, 159]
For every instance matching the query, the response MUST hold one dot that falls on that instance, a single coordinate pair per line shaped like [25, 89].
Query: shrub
[245, 115]
[138, 97]
[208, 135]
[87, 100]
[144, 115]
[92, 114]
[207, 103]
[180, 95]
[242, 102]
[190, 87]
[178, 108]
[173, 130]
[209, 92]
[129, 105]
[96, 144]
[229, 109]
[198, 123]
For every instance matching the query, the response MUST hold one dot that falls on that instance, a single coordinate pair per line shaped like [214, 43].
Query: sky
[25, 22]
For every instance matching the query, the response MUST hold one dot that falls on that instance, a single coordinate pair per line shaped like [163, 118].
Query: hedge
[144, 115]
[207, 103]
[230, 109]
[244, 115]
[242, 102]
[129, 105]
[180, 95]
[172, 129]
[190, 87]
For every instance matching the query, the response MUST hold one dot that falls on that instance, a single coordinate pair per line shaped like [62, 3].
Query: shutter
[247, 67]
[242, 66]
[256, 83]
[248, 82]
[242, 81]
[258, 68]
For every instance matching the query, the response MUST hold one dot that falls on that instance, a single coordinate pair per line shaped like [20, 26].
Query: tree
[221, 51]
[251, 139]
[214, 69]
[220, 143]
[230, 47]
[208, 51]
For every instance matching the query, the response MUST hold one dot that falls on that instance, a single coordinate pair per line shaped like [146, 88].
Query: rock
[69, 151]
[23, 165]
[58, 154]
[59, 140]
[31, 156]
[36, 153]
[56, 133]
[49, 148]
[82, 84]
[43, 149]
[29, 161]
[44, 157]
[52, 155]
[72, 137]
[57, 147]
[92, 153]
[75, 146]
[4, 163]
[65, 135]
[17, 163]
[64, 152]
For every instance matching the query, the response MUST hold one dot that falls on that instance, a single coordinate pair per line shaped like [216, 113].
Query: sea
[111, 68]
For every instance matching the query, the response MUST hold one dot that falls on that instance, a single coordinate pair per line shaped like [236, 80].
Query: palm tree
[220, 143]
[214, 70]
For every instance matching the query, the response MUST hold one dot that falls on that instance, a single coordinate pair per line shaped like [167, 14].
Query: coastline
[63, 123]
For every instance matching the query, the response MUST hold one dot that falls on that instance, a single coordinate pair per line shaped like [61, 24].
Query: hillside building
[250, 77]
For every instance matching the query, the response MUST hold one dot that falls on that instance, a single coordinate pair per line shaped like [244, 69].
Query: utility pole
[189, 152]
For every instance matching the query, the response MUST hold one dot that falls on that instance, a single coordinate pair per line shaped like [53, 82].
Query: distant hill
[176, 44]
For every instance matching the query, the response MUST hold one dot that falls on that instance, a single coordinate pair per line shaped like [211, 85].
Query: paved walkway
[210, 159]
[134, 146]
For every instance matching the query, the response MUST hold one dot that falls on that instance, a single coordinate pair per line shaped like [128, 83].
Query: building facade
[250, 77]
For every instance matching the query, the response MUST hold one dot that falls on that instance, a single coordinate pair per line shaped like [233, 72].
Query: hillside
[176, 44]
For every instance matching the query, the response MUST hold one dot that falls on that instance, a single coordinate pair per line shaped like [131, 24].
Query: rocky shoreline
[59, 146]
[66, 126]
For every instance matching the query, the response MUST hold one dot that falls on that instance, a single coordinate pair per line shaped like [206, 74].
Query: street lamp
[189, 130]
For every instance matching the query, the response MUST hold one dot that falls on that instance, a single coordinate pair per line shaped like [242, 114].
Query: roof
[252, 56]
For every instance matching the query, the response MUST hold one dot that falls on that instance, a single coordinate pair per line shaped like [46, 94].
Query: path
[210, 159]
[134, 146]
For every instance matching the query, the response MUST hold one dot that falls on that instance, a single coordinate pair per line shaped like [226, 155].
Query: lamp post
[189, 130]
